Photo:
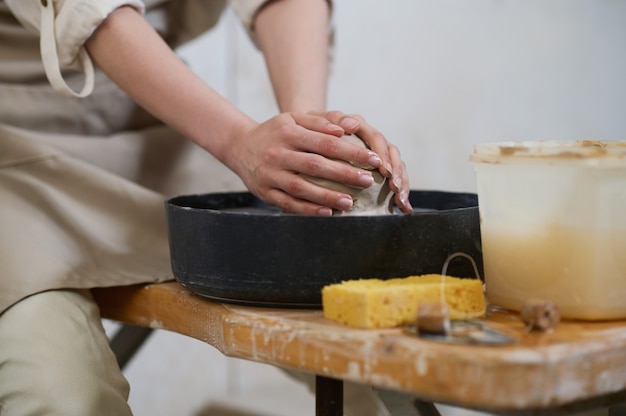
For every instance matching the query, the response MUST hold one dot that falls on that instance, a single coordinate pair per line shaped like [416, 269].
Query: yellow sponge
[375, 303]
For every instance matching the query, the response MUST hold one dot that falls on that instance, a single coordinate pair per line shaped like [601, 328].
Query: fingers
[399, 182]
[384, 156]
[318, 166]
[295, 194]
[308, 177]
[355, 124]
[328, 146]
[391, 165]
[283, 152]
[349, 123]
[379, 145]
[319, 124]
[309, 194]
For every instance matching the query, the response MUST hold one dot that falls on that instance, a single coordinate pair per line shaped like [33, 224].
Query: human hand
[269, 158]
[392, 166]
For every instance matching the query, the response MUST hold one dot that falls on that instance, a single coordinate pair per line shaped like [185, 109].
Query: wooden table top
[577, 361]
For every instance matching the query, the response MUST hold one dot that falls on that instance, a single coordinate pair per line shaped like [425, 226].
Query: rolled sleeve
[247, 10]
[64, 26]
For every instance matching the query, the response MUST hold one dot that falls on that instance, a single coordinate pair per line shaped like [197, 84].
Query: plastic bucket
[553, 224]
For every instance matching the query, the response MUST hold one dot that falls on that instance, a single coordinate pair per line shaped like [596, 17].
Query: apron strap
[51, 59]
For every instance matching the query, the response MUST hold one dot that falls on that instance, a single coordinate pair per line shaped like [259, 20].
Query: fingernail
[334, 127]
[344, 203]
[365, 179]
[397, 181]
[389, 172]
[325, 211]
[404, 200]
[374, 160]
[349, 123]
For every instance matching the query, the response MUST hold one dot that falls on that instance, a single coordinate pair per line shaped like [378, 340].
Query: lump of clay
[375, 200]
[540, 315]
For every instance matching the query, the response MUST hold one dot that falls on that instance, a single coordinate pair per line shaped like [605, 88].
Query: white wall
[456, 73]
[436, 77]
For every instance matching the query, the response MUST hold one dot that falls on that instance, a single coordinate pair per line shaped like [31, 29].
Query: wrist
[302, 103]
[228, 144]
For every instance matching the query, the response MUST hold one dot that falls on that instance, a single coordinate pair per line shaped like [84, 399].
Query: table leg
[426, 408]
[127, 340]
[617, 409]
[328, 396]
[402, 404]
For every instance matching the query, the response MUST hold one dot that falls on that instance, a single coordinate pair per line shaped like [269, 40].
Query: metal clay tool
[472, 332]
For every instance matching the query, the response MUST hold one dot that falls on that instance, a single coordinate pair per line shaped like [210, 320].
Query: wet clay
[374, 200]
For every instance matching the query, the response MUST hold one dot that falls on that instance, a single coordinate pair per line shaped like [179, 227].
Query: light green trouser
[55, 359]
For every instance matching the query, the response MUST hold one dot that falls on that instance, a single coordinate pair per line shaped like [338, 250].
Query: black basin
[231, 247]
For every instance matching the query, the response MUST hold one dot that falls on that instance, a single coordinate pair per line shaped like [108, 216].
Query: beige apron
[83, 181]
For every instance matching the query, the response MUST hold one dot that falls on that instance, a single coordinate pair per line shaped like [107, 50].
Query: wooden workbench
[577, 365]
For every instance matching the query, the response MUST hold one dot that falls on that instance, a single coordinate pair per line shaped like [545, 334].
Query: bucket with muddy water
[553, 224]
